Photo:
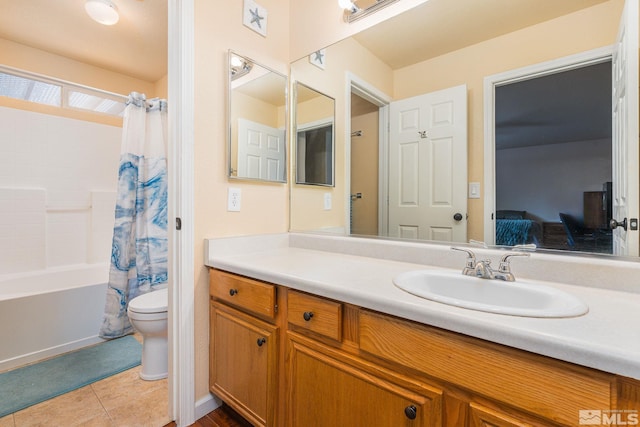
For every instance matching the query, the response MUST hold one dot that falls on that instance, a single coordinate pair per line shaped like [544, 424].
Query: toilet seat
[149, 306]
[151, 302]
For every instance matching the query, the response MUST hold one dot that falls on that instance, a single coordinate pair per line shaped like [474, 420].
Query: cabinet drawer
[250, 295]
[315, 314]
[540, 385]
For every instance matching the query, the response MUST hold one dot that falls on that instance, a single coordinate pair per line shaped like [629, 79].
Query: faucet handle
[471, 257]
[504, 266]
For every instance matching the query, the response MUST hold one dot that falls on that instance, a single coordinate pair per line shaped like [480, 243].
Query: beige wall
[306, 201]
[364, 173]
[37, 61]
[264, 207]
[574, 33]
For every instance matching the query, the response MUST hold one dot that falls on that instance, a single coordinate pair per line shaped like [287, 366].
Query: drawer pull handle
[411, 412]
[261, 341]
[307, 315]
[233, 292]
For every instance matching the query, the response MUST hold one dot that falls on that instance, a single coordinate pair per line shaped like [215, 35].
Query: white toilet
[148, 315]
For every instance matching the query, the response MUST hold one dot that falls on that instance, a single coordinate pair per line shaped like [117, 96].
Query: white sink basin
[525, 298]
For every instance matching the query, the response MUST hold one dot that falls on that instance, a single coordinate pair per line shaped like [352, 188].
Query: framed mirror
[399, 59]
[315, 140]
[257, 111]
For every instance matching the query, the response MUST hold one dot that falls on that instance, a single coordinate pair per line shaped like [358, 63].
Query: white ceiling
[136, 46]
[440, 26]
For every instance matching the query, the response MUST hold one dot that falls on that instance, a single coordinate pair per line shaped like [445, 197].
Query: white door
[260, 151]
[428, 166]
[625, 132]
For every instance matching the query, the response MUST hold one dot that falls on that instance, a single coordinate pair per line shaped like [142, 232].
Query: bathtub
[49, 312]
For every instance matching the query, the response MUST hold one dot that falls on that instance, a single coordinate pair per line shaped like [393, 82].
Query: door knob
[614, 224]
[457, 216]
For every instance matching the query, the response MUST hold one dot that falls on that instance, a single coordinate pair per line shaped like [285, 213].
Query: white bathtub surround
[22, 229]
[50, 312]
[49, 168]
[360, 271]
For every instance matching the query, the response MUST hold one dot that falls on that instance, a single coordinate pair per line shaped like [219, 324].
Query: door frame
[180, 159]
[363, 89]
[590, 57]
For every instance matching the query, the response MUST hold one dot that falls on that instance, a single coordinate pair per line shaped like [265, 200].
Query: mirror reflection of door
[553, 160]
[261, 151]
[626, 197]
[364, 166]
[428, 166]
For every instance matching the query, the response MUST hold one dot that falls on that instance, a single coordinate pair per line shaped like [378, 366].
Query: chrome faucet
[483, 270]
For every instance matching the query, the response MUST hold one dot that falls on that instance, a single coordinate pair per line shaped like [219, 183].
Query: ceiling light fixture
[348, 6]
[102, 11]
[239, 67]
[352, 12]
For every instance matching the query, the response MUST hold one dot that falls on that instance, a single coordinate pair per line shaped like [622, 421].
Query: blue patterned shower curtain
[139, 249]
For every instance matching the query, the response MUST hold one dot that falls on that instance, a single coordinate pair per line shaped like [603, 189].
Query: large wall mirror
[549, 166]
[314, 130]
[257, 121]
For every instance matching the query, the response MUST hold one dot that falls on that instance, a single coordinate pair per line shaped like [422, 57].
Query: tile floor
[123, 400]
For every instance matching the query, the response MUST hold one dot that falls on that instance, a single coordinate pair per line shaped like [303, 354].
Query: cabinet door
[244, 363]
[328, 391]
[487, 417]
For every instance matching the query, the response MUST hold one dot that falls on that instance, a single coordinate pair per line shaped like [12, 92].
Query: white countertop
[606, 338]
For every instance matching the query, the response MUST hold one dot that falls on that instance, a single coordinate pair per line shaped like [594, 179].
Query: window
[44, 90]
[30, 90]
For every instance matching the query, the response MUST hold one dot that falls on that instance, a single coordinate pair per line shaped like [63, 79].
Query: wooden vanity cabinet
[332, 388]
[327, 385]
[334, 364]
[244, 345]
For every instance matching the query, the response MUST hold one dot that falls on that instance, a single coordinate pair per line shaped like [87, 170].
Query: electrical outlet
[327, 201]
[233, 202]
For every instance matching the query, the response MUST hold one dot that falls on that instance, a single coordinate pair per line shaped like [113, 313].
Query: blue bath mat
[23, 387]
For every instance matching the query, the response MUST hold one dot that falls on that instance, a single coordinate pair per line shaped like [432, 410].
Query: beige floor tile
[126, 387]
[7, 421]
[149, 410]
[75, 408]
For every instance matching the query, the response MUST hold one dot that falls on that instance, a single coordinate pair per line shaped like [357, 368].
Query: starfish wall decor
[319, 58]
[255, 17]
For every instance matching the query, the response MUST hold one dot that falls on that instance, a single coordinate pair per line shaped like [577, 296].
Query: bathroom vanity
[307, 336]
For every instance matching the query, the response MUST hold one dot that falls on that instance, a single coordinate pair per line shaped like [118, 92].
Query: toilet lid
[151, 302]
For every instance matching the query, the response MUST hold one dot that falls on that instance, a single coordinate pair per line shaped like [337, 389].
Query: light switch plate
[474, 190]
[327, 201]
[233, 202]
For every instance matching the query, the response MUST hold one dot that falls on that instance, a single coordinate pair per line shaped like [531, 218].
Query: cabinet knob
[233, 292]
[411, 412]
[307, 315]
[261, 341]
